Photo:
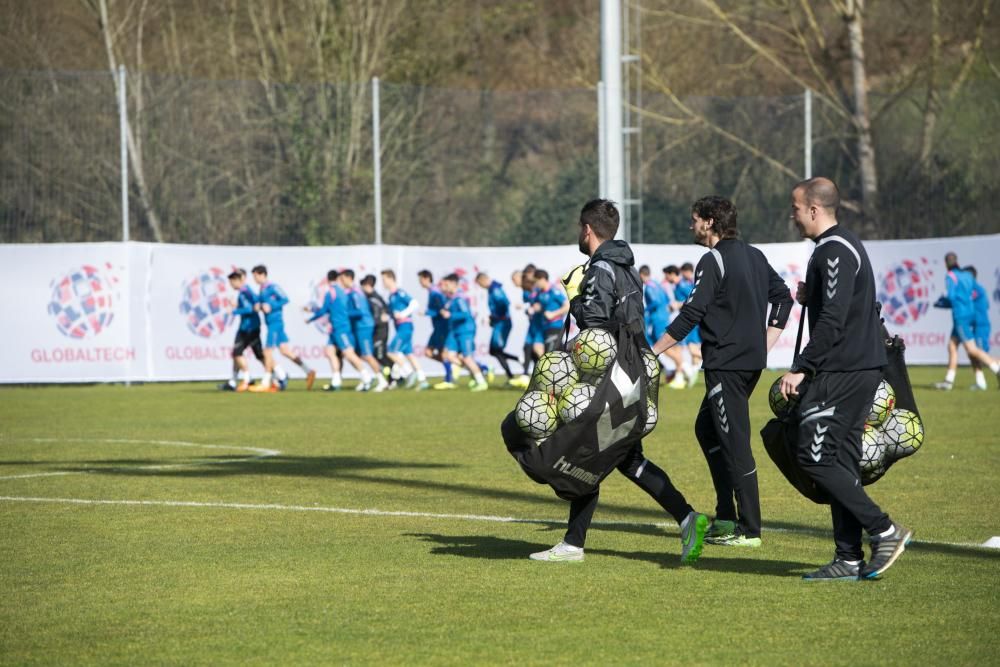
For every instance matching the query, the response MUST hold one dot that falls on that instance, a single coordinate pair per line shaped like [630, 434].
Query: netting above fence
[248, 163]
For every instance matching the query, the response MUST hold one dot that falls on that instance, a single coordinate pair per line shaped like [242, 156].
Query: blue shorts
[402, 342]
[276, 336]
[655, 328]
[500, 334]
[342, 339]
[534, 335]
[364, 337]
[439, 335]
[982, 331]
[961, 330]
[465, 344]
[693, 337]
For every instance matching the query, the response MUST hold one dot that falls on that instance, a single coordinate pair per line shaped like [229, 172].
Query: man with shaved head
[835, 377]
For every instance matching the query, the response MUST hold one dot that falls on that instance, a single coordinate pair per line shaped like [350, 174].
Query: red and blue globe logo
[905, 291]
[83, 301]
[204, 303]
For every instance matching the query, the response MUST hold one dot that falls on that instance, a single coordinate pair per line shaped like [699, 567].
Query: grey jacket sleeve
[595, 304]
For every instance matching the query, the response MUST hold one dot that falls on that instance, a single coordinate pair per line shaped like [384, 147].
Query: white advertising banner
[151, 312]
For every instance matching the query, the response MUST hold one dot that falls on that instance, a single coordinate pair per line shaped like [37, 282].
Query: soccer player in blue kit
[682, 292]
[458, 312]
[437, 344]
[247, 335]
[402, 307]
[270, 301]
[548, 314]
[500, 322]
[656, 301]
[363, 328]
[980, 324]
[336, 308]
[959, 287]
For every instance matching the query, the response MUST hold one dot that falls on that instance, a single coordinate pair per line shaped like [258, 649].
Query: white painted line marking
[992, 543]
[374, 512]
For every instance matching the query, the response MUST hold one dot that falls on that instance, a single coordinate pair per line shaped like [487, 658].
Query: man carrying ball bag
[607, 433]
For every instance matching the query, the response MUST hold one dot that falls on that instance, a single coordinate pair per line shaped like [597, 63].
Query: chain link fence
[249, 163]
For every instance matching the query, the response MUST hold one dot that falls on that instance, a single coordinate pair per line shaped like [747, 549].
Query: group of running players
[360, 319]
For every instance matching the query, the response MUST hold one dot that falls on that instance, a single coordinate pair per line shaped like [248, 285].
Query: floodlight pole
[611, 74]
[377, 158]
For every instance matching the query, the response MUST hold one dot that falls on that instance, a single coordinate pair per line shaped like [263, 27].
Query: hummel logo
[833, 262]
[831, 293]
[700, 272]
[822, 429]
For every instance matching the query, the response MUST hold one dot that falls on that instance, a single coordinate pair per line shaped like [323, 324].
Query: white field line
[376, 513]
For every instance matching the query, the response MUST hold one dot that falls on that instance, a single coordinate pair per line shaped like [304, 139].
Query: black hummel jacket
[845, 333]
[733, 286]
[611, 291]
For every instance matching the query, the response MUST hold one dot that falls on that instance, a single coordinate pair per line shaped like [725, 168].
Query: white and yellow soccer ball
[652, 367]
[872, 453]
[535, 414]
[882, 404]
[779, 405]
[652, 415]
[554, 373]
[594, 351]
[903, 433]
[575, 400]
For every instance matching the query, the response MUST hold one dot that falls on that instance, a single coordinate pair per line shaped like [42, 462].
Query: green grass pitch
[127, 539]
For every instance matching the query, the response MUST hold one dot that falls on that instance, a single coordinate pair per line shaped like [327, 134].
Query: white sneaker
[561, 552]
[362, 386]
[380, 385]
[943, 386]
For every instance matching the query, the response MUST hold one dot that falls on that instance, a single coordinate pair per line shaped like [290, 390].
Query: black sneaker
[836, 570]
[885, 551]
[225, 386]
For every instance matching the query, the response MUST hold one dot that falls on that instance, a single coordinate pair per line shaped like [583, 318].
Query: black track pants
[723, 431]
[832, 414]
[643, 473]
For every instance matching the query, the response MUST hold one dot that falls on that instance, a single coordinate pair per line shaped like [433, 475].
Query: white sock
[266, 380]
[686, 370]
[949, 377]
[231, 382]
[242, 375]
[995, 367]
[366, 375]
[420, 375]
[980, 378]
[280, 373]
[336, 380]
[303, 365]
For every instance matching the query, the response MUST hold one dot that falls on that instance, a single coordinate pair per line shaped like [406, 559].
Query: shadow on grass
[488, 547]
[359, 469]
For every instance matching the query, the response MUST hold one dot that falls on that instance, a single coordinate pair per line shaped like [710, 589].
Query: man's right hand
[800, 293]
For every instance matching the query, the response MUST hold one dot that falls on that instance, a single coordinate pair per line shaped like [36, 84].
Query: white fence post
[808, 112]
[377, 158]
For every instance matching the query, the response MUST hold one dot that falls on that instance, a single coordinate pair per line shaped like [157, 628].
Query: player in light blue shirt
[548, 314]
[402, 307]
[363, 327]
[500, 322]
[270, 301]
[960, 285]
[438, 343]
[247, 334]
[462, 322]
[336, 308]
